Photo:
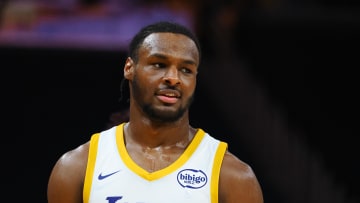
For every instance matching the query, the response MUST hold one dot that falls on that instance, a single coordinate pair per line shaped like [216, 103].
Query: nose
[171, 77]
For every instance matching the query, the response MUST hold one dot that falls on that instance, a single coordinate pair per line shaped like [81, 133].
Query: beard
[154, 113]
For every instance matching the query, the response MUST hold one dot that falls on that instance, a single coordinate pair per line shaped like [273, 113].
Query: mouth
[168, 96]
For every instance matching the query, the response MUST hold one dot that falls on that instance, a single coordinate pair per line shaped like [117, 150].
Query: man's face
[164, 79]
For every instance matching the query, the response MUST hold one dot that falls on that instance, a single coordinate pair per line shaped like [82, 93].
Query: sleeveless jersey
[113, 177]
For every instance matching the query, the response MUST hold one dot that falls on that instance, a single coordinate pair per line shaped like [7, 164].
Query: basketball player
[157, 156]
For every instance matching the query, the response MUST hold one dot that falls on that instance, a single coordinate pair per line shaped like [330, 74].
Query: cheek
[145, 84]
[189, 85]
[189, 82]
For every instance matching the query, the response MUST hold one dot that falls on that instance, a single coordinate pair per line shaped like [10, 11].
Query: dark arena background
[278, 82]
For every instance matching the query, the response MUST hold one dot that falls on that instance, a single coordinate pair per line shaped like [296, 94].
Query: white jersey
[113, 177]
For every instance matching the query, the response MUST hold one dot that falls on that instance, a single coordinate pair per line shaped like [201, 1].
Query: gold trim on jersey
[160, 173]
[93, 148]
[219, 156]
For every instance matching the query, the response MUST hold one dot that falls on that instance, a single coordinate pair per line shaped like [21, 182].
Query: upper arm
[67, 177]
[238, 182]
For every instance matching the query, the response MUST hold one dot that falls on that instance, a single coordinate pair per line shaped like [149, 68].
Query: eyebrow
[162, 56]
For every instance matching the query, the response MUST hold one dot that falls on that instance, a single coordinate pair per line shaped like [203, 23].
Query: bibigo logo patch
[192, 178]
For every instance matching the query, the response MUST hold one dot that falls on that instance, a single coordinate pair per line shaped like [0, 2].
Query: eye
[159, 65]
[186, 70]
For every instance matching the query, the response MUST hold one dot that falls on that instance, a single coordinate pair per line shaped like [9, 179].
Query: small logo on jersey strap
[100, 177]
[192, 178]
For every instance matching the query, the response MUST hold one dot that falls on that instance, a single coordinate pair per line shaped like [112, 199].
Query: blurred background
[278, 82]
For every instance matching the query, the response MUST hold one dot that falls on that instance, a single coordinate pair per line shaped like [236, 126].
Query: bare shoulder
[75, 159]
[67, 176]
[238, 182]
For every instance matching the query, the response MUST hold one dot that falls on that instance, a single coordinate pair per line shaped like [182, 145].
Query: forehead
[171, 44]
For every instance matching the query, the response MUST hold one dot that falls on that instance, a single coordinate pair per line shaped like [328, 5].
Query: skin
[168, 65]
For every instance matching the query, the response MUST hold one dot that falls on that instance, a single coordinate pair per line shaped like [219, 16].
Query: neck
[150, 134]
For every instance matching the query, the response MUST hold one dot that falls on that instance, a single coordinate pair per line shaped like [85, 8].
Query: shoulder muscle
[67, 177]
[238, 182]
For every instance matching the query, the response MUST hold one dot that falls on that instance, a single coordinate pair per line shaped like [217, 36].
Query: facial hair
[153, 113]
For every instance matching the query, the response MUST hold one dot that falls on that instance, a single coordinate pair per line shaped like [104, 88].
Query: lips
[168, 96]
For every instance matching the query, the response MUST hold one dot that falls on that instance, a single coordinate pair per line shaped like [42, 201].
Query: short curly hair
[161, 26]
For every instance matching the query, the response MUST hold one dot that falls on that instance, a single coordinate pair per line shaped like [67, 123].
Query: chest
[154, 159]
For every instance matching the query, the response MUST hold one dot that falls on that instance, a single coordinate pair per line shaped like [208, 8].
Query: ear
[128, 68]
